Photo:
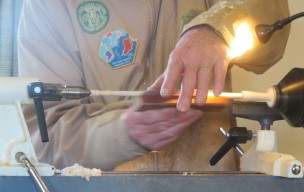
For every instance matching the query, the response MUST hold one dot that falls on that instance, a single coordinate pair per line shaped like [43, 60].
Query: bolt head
[37, 90]
[296, 169]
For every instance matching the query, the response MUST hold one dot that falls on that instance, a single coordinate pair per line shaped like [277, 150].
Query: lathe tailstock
[14, 135]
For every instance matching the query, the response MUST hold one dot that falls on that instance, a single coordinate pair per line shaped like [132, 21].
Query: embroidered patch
[93, 16]
[118, 48]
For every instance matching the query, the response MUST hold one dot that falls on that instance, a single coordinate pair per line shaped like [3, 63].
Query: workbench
[158, 182]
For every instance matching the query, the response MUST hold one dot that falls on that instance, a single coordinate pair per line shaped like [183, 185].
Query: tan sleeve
[78, 133]
[224, 14]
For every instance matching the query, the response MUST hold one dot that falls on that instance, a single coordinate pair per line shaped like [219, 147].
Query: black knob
[236, 135]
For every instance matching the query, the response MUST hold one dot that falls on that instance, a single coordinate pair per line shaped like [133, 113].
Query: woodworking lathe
[284, 101]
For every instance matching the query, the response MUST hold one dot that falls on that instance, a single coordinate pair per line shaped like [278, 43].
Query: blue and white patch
[93, 16]
[118, 48]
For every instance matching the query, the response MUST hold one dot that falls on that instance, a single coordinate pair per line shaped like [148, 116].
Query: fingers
[220, 71]
[172, 75]
[201, 81]
[157, 128]
[199, 57]
[204, 77]
[172, 134]
[187, 87]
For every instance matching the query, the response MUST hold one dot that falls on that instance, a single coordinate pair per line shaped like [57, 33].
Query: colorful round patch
[93, 16]
[118, 48]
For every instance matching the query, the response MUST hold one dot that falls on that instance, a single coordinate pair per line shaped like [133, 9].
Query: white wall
[290, 140]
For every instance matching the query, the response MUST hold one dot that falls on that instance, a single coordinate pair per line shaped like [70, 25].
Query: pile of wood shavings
[78, 170]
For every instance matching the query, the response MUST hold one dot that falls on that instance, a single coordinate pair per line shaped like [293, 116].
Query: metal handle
[21, 158]
[35, 90]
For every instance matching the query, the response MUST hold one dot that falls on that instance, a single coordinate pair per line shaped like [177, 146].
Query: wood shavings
[78, 170]
[185, 173]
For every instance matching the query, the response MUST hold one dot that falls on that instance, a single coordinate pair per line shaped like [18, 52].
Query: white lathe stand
[14, 135]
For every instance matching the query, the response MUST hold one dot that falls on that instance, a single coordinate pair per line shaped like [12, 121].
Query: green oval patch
[93, 16]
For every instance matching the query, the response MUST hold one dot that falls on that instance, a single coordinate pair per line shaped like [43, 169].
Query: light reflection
[242, 42]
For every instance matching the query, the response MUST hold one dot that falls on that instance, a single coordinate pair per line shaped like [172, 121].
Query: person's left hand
[157, 128]
[199, 56]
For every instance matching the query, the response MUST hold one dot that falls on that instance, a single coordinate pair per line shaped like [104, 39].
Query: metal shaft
[21, 158]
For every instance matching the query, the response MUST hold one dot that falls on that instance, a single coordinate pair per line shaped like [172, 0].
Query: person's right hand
[199, 57]
[155, 129]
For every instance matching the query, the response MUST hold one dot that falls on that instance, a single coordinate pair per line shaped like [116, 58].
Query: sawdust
[78, 170]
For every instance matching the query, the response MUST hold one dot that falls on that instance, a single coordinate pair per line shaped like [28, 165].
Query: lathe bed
[159, 181]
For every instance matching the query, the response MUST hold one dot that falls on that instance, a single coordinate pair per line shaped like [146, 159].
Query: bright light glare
[242, 42]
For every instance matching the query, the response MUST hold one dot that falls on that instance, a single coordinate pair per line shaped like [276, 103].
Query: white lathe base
[262, 157]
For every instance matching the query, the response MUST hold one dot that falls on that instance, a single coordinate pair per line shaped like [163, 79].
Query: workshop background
[290, 139]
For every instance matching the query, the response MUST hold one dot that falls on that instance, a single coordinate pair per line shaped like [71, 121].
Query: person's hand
[155, 129]
[199, 57]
